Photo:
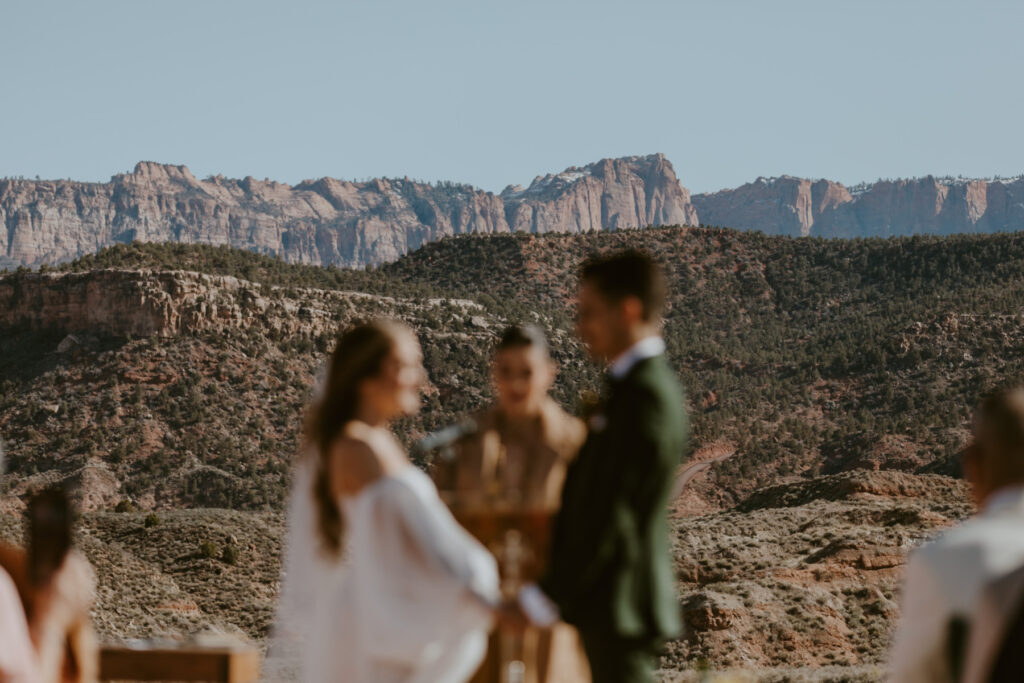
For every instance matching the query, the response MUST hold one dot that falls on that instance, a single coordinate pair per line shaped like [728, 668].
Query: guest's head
[995, 457]
[374, 375]
[50, 519]
[522, 371]
[620, 302]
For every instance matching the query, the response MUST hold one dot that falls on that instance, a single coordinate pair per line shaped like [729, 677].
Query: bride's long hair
[358, 355]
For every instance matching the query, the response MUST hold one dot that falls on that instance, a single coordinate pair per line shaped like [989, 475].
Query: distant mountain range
[887, 208]
[330, 221]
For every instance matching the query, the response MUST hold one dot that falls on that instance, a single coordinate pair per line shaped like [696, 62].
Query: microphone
[443, 439]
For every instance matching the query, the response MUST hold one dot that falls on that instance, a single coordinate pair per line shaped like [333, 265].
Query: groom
[610, 572]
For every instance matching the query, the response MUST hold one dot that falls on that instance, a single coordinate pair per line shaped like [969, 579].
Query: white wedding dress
[409, 604]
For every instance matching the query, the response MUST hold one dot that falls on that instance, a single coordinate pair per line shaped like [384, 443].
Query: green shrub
[125, 506]
[151, 520]
[230, 554]
[209, 550]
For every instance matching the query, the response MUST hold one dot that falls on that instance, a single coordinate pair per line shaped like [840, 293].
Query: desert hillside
[170, 380]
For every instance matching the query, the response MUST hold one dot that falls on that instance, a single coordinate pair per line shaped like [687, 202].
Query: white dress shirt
[944, 580]
[649, 347]
[997, 609]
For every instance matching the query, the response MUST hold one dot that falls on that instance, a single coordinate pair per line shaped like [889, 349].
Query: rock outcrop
[144, 303]
[783, 206]
[822, 208]
[614, 193]
[807, 573]
[325, 221]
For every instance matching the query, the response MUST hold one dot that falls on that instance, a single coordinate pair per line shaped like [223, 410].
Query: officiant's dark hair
[358, 355]
[522, 336]
[630, 273]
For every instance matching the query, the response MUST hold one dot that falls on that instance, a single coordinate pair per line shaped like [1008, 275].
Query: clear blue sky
[492, 93]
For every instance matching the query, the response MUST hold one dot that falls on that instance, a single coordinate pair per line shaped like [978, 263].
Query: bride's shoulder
[355, 464]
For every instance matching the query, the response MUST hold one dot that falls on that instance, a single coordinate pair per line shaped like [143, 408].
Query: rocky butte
[822, 208]
[325, 221]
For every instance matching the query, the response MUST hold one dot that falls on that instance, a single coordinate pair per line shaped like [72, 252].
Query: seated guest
[61, 591]
[945, 578]
[17, 655]
[517, 457]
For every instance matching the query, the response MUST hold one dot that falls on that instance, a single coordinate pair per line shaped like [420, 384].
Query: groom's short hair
[630, 273]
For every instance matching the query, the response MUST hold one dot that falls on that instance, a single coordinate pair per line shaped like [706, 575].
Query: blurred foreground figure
[62, 586]
[945, 579]
[409, 596]
[995, 652]
[17, 655]
[610, 573]
[505, 475]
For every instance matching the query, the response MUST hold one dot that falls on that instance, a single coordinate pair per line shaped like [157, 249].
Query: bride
[381, 584]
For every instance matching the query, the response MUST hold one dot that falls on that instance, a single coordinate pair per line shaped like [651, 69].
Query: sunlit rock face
[325, 221]
[822, 208]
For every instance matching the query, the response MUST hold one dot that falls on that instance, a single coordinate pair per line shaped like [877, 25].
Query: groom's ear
[633, 310]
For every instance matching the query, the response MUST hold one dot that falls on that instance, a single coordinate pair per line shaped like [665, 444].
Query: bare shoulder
[354, 463]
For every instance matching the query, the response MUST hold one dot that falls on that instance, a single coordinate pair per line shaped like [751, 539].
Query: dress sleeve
[431, 541]
[423, 583]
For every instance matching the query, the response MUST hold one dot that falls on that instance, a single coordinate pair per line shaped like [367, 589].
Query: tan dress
[520, 465]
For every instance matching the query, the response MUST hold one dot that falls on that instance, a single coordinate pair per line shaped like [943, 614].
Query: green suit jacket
[610, 569]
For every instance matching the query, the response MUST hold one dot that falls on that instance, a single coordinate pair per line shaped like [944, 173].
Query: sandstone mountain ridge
[325, 221]
[354, 224]
[801, 207]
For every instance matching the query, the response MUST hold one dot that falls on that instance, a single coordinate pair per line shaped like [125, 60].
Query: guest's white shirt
[996, 613]
[944, 580]
[649, 347]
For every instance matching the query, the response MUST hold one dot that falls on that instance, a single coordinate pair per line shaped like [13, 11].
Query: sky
[496, 93]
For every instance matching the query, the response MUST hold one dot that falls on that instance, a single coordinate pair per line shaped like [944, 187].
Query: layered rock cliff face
[326, 221]
[613, 193]
[143, 303]
[331, 221]
[784, 206]
[801, 207]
